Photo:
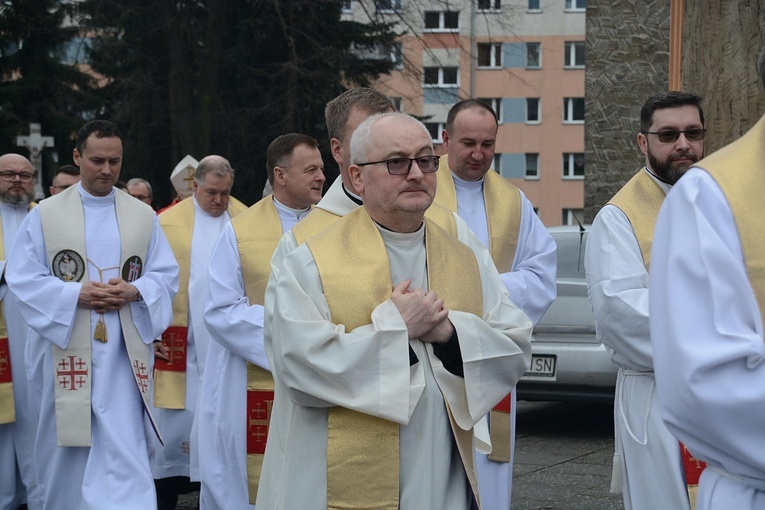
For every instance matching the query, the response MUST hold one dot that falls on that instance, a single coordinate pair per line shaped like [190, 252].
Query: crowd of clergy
[359, 347]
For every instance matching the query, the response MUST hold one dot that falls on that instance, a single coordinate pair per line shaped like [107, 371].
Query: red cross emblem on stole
[141, 375]
[5, 361]
[693, 466]
[174, 340]
[72, 372]
[259, 405]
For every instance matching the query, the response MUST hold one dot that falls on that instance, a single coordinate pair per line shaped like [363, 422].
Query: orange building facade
[524, 57]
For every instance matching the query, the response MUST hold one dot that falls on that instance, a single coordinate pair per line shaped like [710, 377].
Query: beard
[668, 171]
[23, 199]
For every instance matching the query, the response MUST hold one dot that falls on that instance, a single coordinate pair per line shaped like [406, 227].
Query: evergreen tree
[191, 77]
[41, 77]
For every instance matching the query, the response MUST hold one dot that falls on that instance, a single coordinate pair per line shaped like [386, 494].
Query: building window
[496, 105]
[395, 54]
[532, 110]
[396, 103]
[489, 5]
[436, 21]
[534, 5]
[490, 55]
[435, 129]
[576, 5]
[572, 217]
[573, 165]
[497, 163]
[573, 109]
[388, 5]
[347, 6]
[574, 54]
[533, 57]
[532, 166]
[440, 76]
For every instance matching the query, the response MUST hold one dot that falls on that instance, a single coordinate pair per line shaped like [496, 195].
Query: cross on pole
[35, 143]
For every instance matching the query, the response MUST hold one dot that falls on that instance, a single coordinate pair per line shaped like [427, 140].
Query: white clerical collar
[92, 200]
[664, 185]
[461, 183]
[289, 211]
[402, 238]
[198, 209]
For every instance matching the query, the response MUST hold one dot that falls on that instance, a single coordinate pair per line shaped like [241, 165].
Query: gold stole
[640, 200]
[258, 231]
[737, 168]
[64, 236]
[503, 217]
[363, 450]
[314, 222]
[170, 376]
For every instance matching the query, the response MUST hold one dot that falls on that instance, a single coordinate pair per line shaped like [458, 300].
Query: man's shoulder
[182, 210]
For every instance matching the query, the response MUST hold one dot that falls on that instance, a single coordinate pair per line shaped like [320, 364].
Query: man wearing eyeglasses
[522, 249]
[648, 460]
[65, 176]
[384, 364]
[17, 185]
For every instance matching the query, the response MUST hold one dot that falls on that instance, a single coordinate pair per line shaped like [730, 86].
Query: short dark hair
[339, 109]
[280, 150]
[68, 170]
[668, 99]
[101, 128]
[467, 104]
[761, 67]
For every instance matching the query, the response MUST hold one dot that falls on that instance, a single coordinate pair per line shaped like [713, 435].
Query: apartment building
[524, 57]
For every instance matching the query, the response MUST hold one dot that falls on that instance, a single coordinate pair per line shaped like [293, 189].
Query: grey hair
[361, 140]
[138, 180]
[218, 166]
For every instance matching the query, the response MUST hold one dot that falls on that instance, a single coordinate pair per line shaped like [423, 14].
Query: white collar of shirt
[462, 184]
[94, 201]
[289, 211]
[198, 210]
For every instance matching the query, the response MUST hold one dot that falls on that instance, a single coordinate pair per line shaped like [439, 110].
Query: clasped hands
[107, 297]
[424, 313]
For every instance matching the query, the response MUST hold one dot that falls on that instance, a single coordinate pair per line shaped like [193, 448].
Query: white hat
[183, 176]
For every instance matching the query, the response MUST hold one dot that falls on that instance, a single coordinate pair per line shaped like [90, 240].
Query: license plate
[541, 366]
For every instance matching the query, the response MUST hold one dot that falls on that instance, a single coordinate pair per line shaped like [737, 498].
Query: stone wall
[627, 61]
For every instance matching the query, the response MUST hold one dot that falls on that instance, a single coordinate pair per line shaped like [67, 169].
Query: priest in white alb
[191, 227]
[383, 364]
[17, 418]
[238, 384]
[95, 277]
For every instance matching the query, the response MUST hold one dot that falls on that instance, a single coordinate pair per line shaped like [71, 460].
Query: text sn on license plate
[541, 366]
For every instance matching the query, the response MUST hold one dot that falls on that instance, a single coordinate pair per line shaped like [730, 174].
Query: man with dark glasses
[648, 466]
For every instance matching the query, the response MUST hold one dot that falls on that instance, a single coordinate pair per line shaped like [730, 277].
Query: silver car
[567, 362]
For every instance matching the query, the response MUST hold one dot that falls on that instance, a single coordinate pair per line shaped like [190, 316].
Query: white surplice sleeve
[707, 331]
[232, 321]
[47, 303]
[496, 347]
[617, 286]
[158, 286]
[531, 283]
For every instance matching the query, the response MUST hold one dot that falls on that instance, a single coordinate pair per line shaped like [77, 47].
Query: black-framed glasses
[9, 176]
[401, 166]
[671, 136]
